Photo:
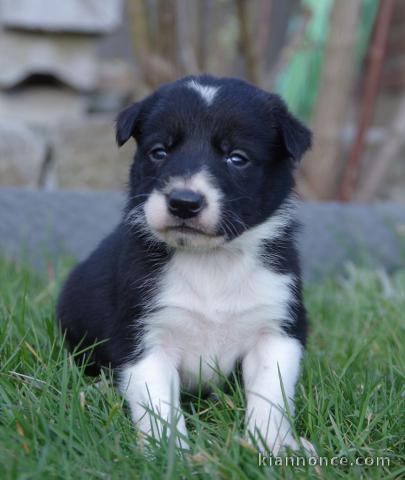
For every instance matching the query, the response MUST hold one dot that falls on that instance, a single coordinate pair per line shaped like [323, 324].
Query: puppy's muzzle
[185, 203]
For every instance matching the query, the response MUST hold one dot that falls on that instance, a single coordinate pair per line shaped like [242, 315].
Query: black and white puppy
[202, 272]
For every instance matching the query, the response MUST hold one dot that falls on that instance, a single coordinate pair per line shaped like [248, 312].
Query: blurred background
[67, 68]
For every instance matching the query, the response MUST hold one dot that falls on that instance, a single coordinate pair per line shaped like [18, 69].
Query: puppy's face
[214, 159]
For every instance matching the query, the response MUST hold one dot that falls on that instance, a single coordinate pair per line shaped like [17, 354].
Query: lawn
[57, 423]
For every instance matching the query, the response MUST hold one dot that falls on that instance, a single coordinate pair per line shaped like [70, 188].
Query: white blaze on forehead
[207, 92]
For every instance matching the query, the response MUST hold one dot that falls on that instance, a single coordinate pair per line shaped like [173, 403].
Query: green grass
[299, 80]
[56, 423]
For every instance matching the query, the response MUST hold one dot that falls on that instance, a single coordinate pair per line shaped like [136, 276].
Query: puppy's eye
[157, 153]
[237, 159]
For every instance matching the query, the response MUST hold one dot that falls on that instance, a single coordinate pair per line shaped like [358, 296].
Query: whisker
[134, 197]
[240, 198]
[230, 216]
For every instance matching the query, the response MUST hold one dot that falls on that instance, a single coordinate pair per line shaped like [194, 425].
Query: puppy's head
[215, 157]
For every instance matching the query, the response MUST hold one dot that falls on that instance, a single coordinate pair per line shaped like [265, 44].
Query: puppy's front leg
[272, 357]
[152, 389]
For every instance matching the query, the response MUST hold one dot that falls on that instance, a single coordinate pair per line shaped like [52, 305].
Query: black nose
[185, 203]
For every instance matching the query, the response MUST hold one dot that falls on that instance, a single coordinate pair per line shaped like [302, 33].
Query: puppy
[202, 272]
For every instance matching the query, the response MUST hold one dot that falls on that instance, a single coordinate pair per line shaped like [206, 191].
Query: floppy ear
[296, 136]
[125, 124]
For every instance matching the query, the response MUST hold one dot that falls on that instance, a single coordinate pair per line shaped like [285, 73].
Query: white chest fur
[212, 308]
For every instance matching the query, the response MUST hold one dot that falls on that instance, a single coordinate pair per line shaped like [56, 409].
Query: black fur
[106, 295]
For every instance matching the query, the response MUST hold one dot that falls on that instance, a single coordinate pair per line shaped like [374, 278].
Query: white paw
[281, 443]
[155, 428]
[275, 444]
[183, 443]
[271, 430]
[302, 445]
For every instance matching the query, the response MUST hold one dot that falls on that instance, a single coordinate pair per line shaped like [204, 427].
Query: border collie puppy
[202, 272]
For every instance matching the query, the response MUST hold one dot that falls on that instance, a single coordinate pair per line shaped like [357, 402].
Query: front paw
[276, 443]
[153, 428]
[281, 443]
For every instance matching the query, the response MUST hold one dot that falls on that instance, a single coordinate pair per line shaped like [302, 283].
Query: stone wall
[42, 226]
[55, 90]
